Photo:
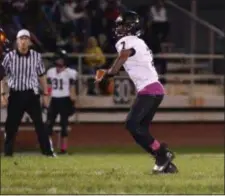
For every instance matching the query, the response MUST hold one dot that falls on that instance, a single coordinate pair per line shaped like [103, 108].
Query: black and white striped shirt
[23, 71]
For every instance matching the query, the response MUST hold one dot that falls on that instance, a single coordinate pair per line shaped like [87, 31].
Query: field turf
[110, 173]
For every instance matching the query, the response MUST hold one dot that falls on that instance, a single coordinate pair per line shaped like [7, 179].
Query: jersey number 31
[57, 84]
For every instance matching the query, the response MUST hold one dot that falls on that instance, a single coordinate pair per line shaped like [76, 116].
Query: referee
[24, 70]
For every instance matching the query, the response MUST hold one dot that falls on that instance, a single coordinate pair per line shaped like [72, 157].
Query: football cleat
[163, 158]
[171, 169]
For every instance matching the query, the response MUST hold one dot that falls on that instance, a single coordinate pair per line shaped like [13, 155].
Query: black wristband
[3, 94]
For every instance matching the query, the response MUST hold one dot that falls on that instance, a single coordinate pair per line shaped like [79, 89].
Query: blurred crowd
[69, 23]
[80, 26]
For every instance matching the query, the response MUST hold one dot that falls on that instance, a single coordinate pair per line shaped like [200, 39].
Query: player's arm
[73, 85]
[118, 63]
[49, 83]
[120, 60]
[72, 90]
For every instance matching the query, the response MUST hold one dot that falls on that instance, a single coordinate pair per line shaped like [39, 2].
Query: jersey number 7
[123, 45]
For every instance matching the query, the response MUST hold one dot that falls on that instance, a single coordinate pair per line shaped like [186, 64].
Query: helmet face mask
[121, 30]
[60, 63]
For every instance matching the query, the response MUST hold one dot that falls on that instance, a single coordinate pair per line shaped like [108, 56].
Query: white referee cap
[22, 33]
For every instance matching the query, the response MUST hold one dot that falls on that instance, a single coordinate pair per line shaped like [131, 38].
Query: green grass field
[110, 173]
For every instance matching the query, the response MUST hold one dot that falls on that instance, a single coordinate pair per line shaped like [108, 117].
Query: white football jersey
[60, 82]
[139, 67]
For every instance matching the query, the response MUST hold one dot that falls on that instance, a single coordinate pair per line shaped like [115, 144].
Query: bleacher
[192, 90]
[192, 79]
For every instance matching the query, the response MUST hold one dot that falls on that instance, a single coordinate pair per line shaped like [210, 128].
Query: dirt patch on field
[176, 135]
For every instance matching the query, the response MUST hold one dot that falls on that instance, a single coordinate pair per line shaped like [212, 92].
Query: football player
[137, 59]
[61, 80]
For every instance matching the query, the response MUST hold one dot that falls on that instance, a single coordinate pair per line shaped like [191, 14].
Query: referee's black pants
[18, 103]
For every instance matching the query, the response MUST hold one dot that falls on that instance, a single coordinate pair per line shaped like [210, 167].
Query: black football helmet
[61, 54]
[61, 58]
[128, 23]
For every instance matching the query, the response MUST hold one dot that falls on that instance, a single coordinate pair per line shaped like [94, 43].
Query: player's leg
[171, 169]
[139, 131]
[64, 116]
[147, 119]
[160, 150]
[64, 133]
[138, 122]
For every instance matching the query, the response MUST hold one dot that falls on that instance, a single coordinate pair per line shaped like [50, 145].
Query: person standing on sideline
[24, 70]
[61, 80]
